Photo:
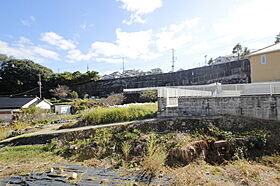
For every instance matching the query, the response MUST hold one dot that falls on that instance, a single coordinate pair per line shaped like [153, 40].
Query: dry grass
[241, 172]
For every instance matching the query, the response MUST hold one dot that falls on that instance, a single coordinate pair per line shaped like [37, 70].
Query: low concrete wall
[262, 107]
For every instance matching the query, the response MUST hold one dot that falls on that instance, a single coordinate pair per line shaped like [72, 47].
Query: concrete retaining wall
[262, 107]
[226, 73]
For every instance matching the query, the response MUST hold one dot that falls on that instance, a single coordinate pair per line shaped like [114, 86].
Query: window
[263, 59]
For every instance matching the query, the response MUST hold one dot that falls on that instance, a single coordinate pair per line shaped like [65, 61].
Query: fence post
[270, 87]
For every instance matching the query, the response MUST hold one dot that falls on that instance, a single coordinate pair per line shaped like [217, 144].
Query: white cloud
[77, 55]
[252, 19]
[58, 41]
[145, 45]
[175, 35]
[86, 26]
[133, 45]
[109, 60]
[139, 8]
[23, 40]
[73, 54]
[28, 51]
[29, 21]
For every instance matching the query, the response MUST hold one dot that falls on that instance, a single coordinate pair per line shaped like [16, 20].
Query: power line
[123, 64]
[17, 94]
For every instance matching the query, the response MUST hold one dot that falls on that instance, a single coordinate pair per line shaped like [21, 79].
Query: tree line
[22, 75]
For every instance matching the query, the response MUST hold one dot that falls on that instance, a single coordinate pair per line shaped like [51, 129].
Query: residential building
[227, 58]
[9, 106]
[265, 64]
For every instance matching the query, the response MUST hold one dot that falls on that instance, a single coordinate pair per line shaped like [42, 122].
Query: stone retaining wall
[226, 73]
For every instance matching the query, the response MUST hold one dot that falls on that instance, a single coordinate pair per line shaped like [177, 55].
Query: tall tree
[245, 52]
[237, 49]
[277, 38]
[21, 75]
[240, 51]
[211, 61]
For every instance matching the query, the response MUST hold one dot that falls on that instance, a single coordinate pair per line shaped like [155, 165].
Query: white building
[62, 109]
[227, 58]
[9, 106]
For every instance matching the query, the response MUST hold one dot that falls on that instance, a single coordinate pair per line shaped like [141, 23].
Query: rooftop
[271, 48]
[7, 102]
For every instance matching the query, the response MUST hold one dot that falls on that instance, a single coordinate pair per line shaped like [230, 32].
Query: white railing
[219, 90]
[215, 90]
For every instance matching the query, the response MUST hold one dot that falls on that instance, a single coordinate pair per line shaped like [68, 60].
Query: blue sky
[69, 35]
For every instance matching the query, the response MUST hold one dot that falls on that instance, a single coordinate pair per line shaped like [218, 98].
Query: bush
[155, 157]
[115, 99]
[112, 115]
[149, 95]
[74, 95]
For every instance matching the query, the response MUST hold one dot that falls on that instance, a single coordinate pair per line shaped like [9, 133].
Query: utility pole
[173, 59]
[40, 86]
[87, 68]
[205, 59]
[123, 65]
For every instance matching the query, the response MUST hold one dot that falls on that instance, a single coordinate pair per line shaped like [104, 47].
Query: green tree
[277, 38]
[149, 95]
[21, 75]
[245, 52]
[3, 57]
[211, 61]
[237, 49]
[241, 52]
[74, 94]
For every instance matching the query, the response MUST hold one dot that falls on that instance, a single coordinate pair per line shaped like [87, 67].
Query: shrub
[149, 95]
[61, 91]
[126, 147]
[74, 95]
[115, 99]
[155, 157]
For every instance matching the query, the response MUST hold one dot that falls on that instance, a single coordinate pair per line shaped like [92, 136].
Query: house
[9, 106]
[227, 58]
[265, 64]
[62, 109]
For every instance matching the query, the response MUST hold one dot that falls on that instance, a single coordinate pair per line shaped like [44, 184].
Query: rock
[220, 143]
[191, 151]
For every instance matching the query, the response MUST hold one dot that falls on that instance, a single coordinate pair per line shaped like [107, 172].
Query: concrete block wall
[262, 107]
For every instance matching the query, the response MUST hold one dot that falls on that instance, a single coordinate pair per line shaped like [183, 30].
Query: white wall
[62, 109]
[6, 114]
[43, 105]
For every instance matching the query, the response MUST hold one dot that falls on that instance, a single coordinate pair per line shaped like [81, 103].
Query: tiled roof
[7, 102]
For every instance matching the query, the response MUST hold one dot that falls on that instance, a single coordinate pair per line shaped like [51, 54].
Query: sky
[71, 35]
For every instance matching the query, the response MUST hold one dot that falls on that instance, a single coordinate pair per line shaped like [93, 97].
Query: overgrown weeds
[155, 157]
[112, 115]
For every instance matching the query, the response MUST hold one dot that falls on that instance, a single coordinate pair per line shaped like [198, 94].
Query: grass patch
[25, 159]
[112, 115]
[16, 128]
